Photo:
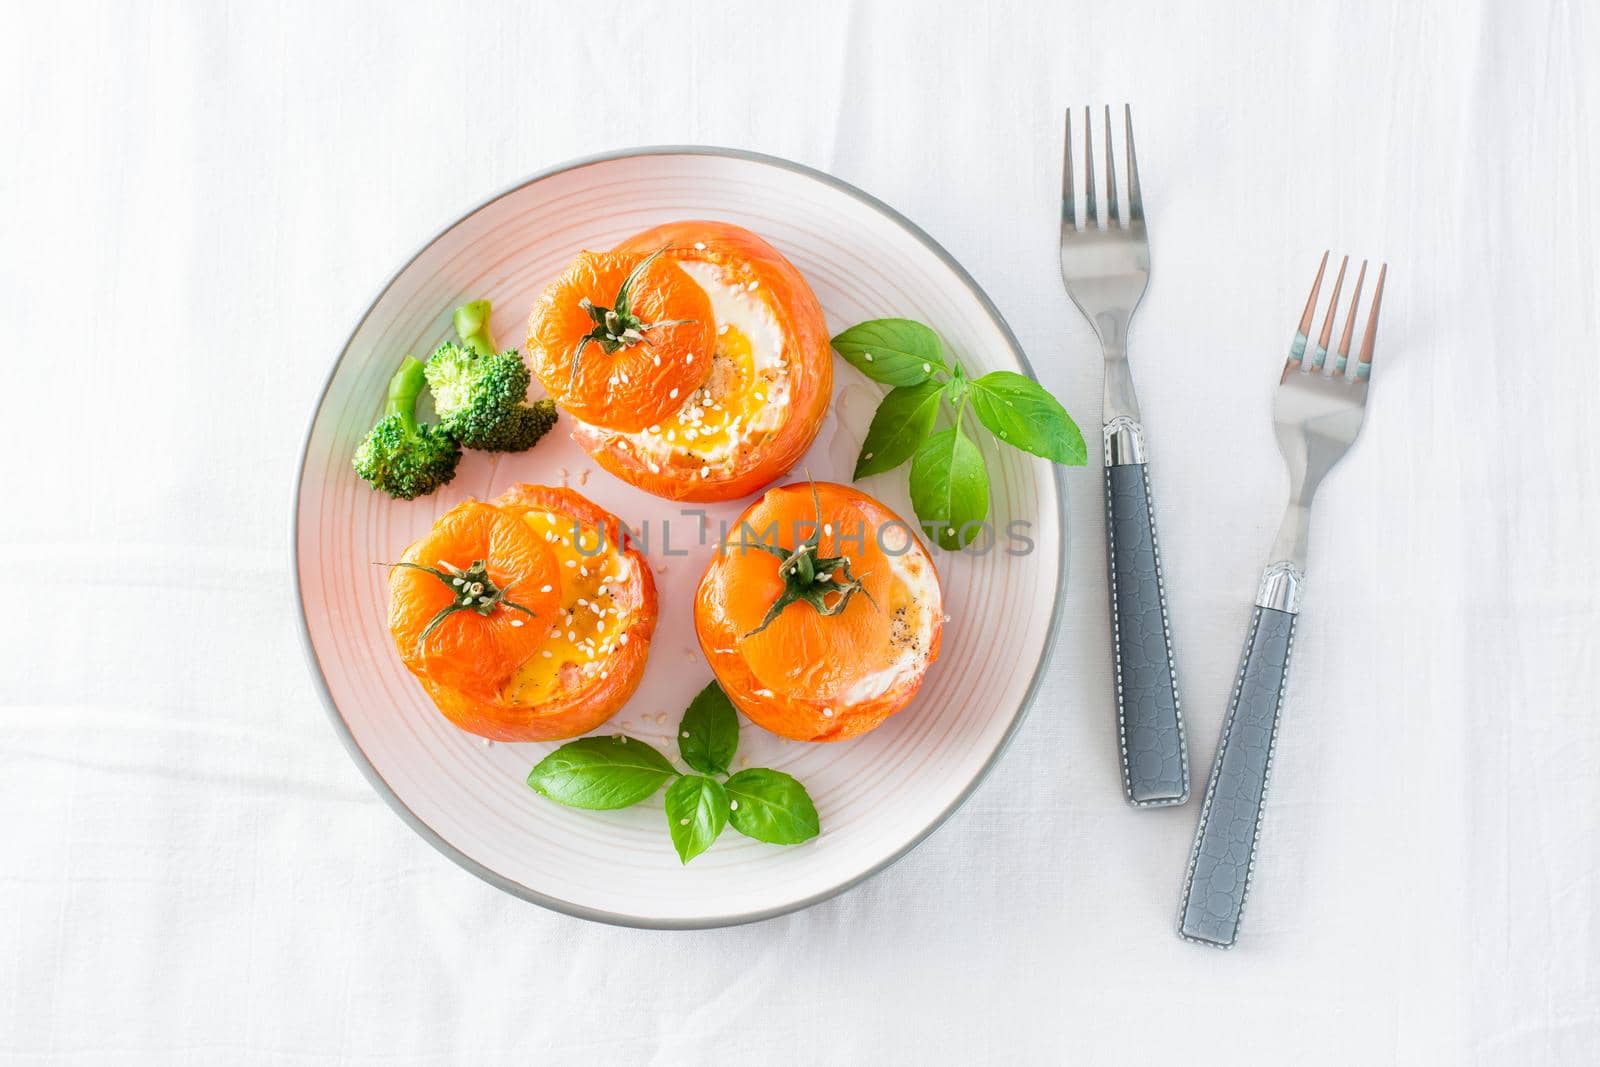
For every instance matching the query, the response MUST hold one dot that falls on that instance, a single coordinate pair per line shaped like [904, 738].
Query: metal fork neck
[1120, 400]
[1282, 579]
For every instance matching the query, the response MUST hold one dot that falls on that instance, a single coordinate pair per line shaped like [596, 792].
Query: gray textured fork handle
[1155, 759]
[1223, 857]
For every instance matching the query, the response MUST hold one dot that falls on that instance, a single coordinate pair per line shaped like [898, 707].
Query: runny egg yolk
[590, 622]
[719, 414]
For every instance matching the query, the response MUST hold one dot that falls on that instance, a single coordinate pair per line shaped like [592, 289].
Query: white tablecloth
[199, 201]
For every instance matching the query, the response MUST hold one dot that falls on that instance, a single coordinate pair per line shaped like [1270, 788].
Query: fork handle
[1224, 853]
[1155, 758]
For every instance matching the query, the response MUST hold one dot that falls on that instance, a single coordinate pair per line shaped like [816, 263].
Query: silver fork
[1317, 411]
[1105, 264]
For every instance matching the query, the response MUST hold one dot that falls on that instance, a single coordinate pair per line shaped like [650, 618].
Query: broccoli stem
[472, 326]
[404, 388]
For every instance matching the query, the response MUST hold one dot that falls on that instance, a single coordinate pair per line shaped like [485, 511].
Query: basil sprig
[949, 481]
[606, 773]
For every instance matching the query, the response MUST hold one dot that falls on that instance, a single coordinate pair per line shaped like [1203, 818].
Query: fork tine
[1364, 365]
[1297, 347]
[1135, 201]
[1069, 196]
[1091, 213]
[1111, 175]
[1320, 351]
[1337, 369]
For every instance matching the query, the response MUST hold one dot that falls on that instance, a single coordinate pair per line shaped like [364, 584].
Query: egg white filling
[744, 398]
[913, 614]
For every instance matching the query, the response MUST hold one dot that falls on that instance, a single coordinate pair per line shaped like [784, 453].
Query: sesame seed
[827, 713]
[927, 367]
[455, 581]
[572, 563]
[683, 822]
[672, 394]
[753, 286]
[723, 328]
[733, 805]
[867, 455]
[657, 361]
[545, 653]
[700, 246]
[686, 733]
[867, 356]
[544, 588]
[516, 622]
[572, 635]
[623, 639]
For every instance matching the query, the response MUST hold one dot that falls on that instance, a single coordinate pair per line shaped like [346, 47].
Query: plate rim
[572, 908]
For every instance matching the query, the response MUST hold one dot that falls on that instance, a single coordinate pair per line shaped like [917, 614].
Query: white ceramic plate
[878, 795]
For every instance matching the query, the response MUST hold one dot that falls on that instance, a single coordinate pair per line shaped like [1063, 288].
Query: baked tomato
[747, 418]
[820, 613]
[472, 600]
[620, 337]
[598, 600]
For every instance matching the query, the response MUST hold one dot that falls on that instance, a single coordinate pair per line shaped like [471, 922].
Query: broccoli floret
[401, 456]
[481, 394]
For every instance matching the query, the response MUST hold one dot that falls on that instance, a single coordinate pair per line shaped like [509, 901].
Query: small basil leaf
[600, 773]
[697, 810]
[891, 351]
[770, 806]
[708, 735]
[903, 421]
[950, 487]
[1023, 414]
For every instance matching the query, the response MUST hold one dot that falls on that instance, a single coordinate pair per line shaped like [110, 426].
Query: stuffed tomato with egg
[693, 358]
[525, 619]
[820, 613]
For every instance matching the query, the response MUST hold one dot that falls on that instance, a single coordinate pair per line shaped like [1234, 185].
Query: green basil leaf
[770, 806]
[697, 810]
[600, 773]
[891, 351]
[1023, 414]
[903, 421]
[708, 735]
[950, 487]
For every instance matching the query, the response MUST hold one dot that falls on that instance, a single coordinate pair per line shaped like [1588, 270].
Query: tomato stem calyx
[617, 327]
[472, 589]
[808, 577]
